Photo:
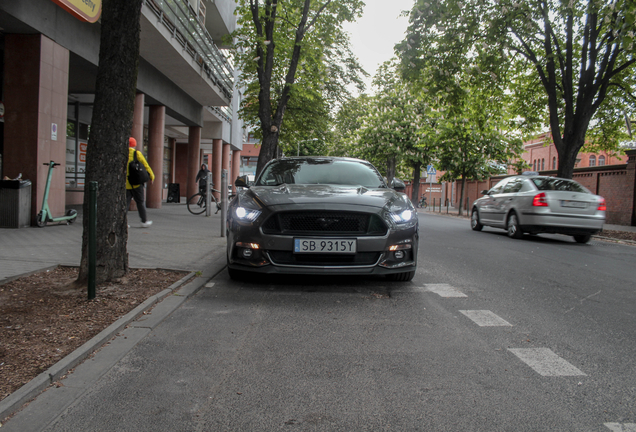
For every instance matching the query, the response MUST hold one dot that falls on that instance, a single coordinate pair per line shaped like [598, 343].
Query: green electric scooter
[45, 214]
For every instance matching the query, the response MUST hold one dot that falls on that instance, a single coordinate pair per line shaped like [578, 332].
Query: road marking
[624, 427]
[545, 362]
[485, 318]
[444, 290]
[209, 284]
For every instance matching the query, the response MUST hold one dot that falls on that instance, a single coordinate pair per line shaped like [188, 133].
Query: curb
[29, 391]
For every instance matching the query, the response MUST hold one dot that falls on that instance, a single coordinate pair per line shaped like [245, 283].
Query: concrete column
[194, 164]
[138, 121]
[217, 166]
[156, 129]
[236, 167]
[36, 71]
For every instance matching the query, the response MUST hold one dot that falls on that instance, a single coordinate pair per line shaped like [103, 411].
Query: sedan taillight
[540, 200]
[601, 205]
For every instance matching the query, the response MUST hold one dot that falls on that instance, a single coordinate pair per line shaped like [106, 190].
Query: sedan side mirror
[398, 185]
[484, 192]
[242, 181]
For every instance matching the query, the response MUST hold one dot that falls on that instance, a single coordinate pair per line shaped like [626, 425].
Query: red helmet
[132, 142]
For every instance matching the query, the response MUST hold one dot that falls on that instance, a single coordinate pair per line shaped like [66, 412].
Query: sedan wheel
[583, 238]
[474, 221]
[514, 230]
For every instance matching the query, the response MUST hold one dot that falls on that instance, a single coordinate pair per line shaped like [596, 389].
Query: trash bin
[15, 203]
[174, 195]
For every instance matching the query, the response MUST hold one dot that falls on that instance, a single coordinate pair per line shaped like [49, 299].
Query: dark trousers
[138, 194]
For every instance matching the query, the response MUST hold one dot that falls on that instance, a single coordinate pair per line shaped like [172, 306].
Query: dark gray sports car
[321, 215]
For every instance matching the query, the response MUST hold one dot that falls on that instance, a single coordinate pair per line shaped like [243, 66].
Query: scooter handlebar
[53, 163]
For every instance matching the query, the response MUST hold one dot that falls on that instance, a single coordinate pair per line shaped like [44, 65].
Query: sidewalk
[177, 240]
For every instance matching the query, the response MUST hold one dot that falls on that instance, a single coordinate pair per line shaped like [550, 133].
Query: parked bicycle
[422, 203]
[197, 203]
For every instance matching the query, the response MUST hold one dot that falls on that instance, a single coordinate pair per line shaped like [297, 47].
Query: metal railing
[178, 17]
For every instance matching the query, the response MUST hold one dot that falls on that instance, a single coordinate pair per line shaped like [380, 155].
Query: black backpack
[137, 173]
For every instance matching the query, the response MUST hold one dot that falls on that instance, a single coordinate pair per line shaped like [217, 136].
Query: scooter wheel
[72, 213]
[39, 220]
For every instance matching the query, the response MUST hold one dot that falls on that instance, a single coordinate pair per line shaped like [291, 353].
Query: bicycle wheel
[217, 202]
[196, 204]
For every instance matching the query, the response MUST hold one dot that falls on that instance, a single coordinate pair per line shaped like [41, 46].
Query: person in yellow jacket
[137, 191]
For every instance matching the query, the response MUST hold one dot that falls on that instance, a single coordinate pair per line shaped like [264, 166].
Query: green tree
[306, 73]
[566, 61]
[107, 153]
[391, 134]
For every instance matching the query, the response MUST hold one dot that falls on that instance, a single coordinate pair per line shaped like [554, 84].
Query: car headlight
[246, 214]
[402, 217]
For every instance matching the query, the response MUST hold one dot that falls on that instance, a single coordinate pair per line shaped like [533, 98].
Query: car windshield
[558, 184]
[321, 171]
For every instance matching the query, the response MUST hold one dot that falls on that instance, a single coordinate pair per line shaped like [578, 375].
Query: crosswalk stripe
[444, 290]
[624, 427]
[485, 318]
[545, 362]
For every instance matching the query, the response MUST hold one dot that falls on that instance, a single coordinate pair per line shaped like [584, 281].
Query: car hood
[285, 194]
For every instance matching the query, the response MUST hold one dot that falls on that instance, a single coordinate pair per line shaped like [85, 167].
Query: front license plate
[574, 204]
[343, 246]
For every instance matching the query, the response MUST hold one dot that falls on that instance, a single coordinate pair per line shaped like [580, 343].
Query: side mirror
[242, 181]
[398, 185]
[484, 192]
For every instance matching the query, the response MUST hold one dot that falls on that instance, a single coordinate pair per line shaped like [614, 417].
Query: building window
[542, 164]
[554, 163]
[592, 160]
[534, 165]
[601, 160]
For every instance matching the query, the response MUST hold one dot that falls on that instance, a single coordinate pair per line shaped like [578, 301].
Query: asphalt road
[493, 334]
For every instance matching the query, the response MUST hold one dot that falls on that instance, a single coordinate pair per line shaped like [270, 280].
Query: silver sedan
[534, 204]
[321, 215]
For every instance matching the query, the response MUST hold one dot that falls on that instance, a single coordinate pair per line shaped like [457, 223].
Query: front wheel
[401, 277]
[196, 204]
[474, 221]
[583, 238]
[514, 230]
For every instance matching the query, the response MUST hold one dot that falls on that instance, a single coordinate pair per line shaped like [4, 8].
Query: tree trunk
[461, 197]
[268, 150]
[415, 192]
[107, 152]
[390, 170]
[568, 150]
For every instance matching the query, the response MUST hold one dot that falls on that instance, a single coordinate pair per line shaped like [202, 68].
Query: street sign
[430, 170]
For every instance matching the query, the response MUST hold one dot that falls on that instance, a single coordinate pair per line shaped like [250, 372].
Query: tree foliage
[296, 64]
[568, 63]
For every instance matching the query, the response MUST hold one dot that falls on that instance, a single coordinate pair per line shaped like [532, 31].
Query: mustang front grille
[324, 223]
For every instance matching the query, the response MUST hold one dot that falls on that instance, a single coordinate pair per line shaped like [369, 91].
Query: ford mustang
[321, 215]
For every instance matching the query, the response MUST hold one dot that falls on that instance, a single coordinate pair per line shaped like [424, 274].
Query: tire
[73, 213]
[514, 230]
[401, 277]
[582, 238]
[196, 204]
[474, 221]
[216, 204]
[237, 275]
[39, 220]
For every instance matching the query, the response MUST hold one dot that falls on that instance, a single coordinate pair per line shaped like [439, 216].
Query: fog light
[247, 253]
[399, 254]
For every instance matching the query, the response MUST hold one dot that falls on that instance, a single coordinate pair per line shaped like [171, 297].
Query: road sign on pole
[430, 170]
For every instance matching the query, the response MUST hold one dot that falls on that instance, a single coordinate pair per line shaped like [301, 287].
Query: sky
[374, 35]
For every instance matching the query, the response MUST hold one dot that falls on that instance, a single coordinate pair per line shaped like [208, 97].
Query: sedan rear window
[321, 171]
[558, 184]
